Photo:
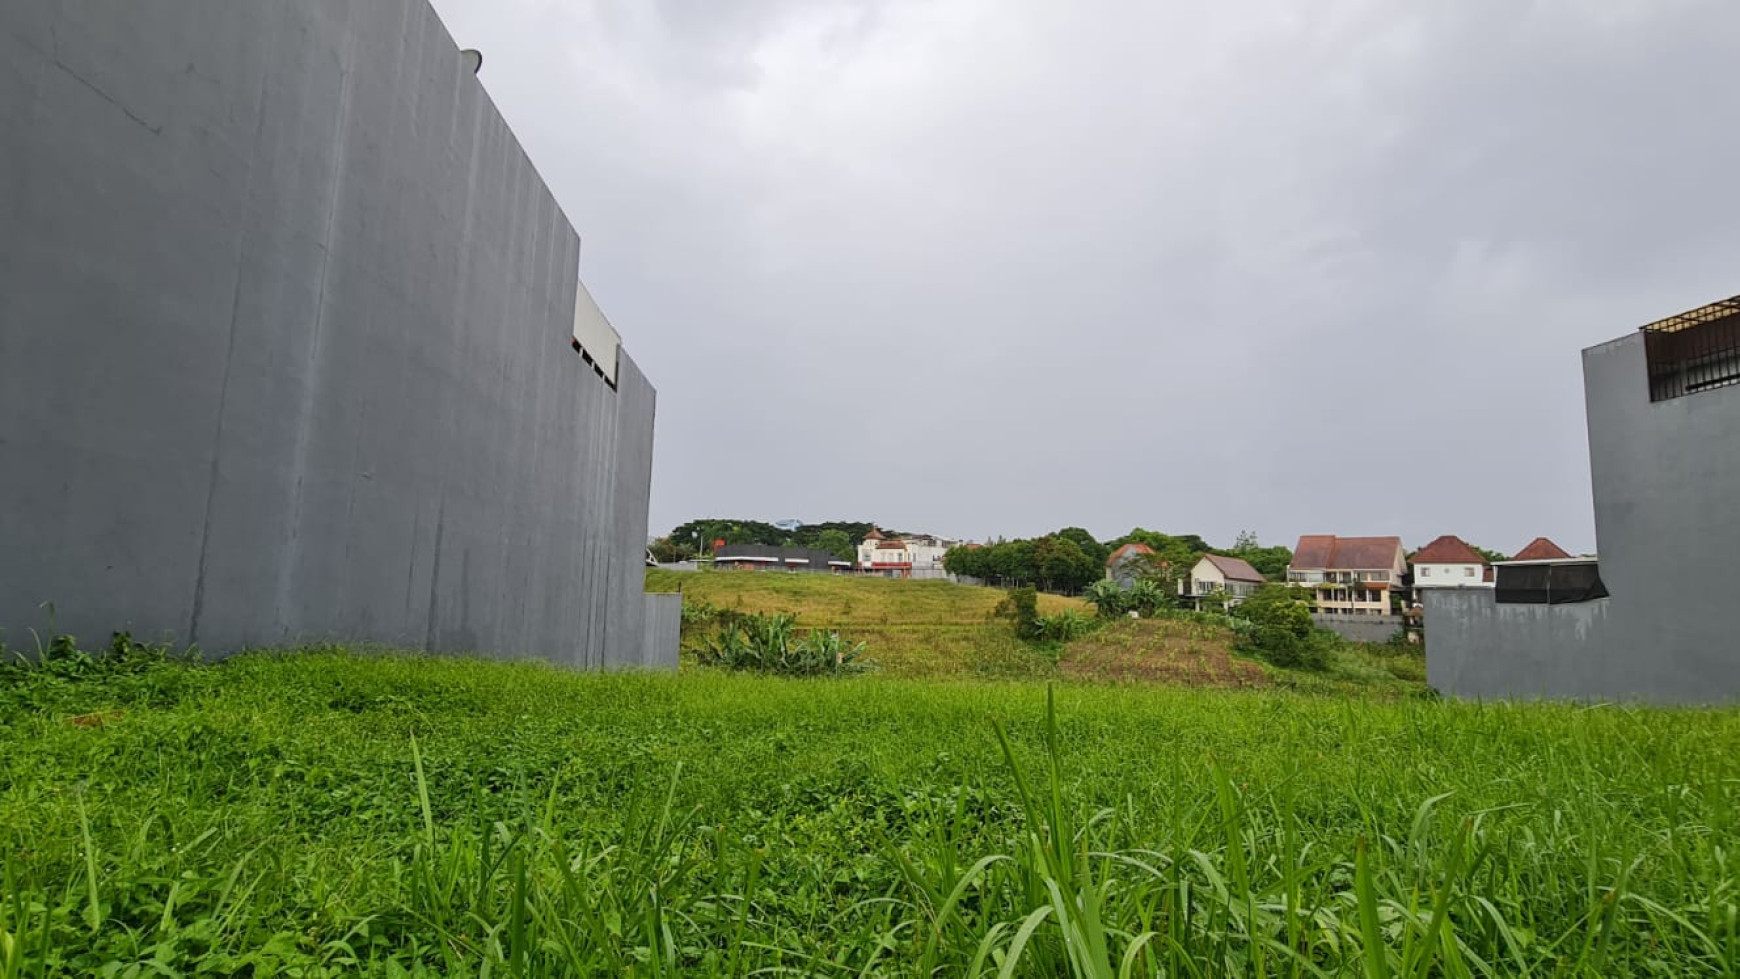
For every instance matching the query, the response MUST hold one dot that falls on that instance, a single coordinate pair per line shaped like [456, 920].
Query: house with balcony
[1652, 618]
[917, 556]
[1214, 574]
[1349, 575]
[1450, 562]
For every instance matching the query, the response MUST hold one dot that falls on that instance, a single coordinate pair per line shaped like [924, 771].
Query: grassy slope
[912, 628]
[935, 629]
[265, 814]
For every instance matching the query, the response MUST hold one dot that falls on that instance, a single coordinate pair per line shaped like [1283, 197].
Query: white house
[903, 557]
[1449, 562]
[1214, 573]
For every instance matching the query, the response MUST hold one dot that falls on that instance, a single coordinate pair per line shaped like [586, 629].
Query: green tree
[1095, 550]
[1281, 629]
[835, 542]
[1060, 565]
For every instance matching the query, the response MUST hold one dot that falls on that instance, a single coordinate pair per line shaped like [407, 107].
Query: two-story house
[1215, 573]
[1349, 575]
[903, 557]
[1449, 562]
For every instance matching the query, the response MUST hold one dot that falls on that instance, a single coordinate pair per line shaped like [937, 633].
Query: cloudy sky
[993, 267]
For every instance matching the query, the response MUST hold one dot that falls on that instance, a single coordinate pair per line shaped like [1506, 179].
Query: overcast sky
[991, 267]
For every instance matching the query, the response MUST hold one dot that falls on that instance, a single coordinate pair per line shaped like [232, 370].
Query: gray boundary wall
[664, 628]
[1666, 481]
[1359, 628]
[285, 315]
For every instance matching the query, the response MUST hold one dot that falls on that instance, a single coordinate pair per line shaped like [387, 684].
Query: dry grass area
[1161, 651]
[841, 601]
[928, 629]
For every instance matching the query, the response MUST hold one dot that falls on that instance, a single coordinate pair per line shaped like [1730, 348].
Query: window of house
[1425, 572]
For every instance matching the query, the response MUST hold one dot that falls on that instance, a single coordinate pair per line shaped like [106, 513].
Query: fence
[1359, 628]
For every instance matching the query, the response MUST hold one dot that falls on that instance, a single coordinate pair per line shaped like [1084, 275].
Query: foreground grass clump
[328, 814]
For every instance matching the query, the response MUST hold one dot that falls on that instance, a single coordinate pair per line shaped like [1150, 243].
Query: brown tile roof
[874, 535]
[1329, 552]
[1234, 568]
[1118, 555]
[1448, 549]
[1541, 549]
[891, 545]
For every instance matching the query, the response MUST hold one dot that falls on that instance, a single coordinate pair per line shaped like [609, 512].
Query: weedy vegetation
[330, 813]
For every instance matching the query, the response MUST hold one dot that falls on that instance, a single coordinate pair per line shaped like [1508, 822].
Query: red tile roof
[1448, 549]
[1329, 552]
[1235, 569]
[891, 545]
[1118, 555]
[1541, 549]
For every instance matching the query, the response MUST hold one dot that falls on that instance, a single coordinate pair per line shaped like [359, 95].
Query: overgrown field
[331, 814]
[935, 629]
[911, 628]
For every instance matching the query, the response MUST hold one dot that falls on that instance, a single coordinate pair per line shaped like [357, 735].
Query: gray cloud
[987, 267]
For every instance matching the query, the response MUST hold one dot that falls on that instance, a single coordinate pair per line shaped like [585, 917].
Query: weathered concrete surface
[664, 627]
[285, 316]
[1360, 628]
[1666, 479]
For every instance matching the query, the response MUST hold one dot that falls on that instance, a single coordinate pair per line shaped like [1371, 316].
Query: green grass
[331, 814]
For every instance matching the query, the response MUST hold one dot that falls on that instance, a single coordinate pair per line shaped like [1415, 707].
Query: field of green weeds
[334, 814]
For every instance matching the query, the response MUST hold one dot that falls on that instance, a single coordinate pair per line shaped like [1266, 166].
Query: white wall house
[904, 556]
[1213, 573]
[1449, 562]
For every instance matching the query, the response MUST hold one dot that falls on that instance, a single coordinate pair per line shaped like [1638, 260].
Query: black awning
[1549, 584]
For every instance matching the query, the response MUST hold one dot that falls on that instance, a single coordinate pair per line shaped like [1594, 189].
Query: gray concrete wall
[285, 316]
[1359, 628]
[1666, 481]
[664, 629]
[1476, 647]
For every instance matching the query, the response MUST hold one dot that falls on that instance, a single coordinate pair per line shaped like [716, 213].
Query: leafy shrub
[766, 644]
[1281, 630]
[1022, 606]
[1066, 626]
[1144, 597]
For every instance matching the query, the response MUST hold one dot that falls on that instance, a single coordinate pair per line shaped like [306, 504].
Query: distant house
[1449, 562]
[1126, 564]
[1214, 573]
[1542, 549]
[763, 557]
[919, 556]
[1349, 575]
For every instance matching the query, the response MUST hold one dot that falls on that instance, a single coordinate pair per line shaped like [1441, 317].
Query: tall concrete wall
[1666, 479]
[285, 315]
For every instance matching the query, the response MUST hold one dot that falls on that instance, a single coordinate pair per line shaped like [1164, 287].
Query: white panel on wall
[594, 335]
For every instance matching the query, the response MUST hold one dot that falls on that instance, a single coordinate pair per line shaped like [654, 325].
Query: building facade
[293, 346]
[919, 556]
[1215, 574]
[1449, 562]
[1649, 621]
[1349, 575]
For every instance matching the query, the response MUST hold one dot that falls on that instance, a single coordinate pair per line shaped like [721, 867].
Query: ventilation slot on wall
[594, 338]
